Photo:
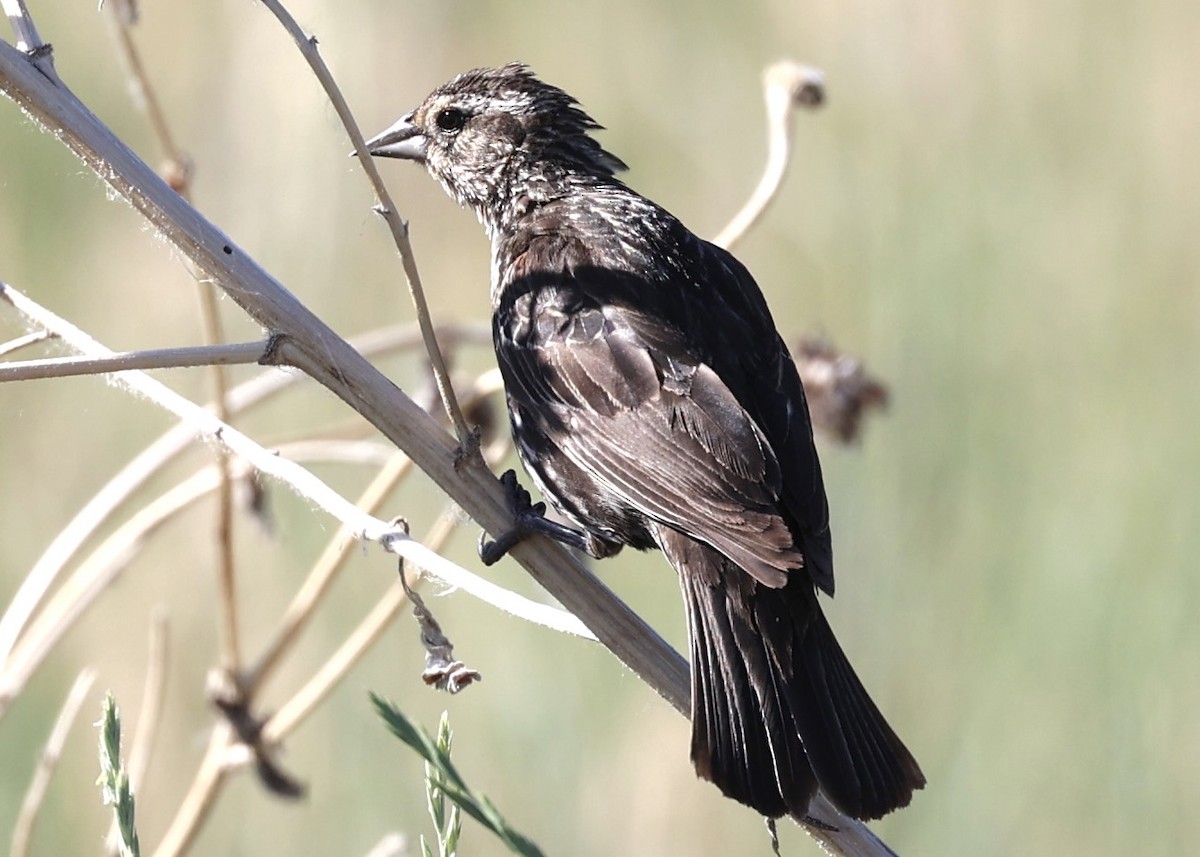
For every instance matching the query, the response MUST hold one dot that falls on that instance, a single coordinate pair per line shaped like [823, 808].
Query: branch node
[272, 354]
[177, 172]
[470, 450]
[227, 695]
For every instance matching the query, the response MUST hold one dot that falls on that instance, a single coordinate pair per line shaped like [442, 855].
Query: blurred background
[997, 211]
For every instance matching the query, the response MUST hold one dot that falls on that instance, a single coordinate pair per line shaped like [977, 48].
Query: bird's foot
[529, 519]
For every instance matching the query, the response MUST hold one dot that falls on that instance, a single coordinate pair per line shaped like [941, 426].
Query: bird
[654, 404]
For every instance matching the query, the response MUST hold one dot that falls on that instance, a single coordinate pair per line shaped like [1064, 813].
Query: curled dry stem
[786, 85]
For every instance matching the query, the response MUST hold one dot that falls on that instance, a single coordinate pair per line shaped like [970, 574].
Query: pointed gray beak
[402, 140]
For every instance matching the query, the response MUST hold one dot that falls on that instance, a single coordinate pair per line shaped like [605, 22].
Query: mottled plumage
[655, 405]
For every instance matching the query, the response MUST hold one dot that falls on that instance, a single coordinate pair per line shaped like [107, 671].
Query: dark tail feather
[776, 708]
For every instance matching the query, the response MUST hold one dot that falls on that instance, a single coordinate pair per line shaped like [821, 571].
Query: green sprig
[113, 781]
[449, 783]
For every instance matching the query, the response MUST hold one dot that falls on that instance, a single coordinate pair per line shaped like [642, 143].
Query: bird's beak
[402, 140]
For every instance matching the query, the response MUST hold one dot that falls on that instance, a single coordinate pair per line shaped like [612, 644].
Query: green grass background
[997, 210]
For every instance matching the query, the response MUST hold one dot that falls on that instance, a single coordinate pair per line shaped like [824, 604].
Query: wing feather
[653, 425]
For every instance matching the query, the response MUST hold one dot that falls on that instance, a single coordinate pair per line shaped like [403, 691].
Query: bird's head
[494, 135]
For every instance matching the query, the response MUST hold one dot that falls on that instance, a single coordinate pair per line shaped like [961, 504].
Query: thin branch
[178, 171]
[114, 554]
[27, 817]
[15, 345]
[157, 656]
[28, 40]
[158, 454]
[177, 166]
[201, 796]
[121, 361]
[786, 85]
[205, 424]
[387, 209]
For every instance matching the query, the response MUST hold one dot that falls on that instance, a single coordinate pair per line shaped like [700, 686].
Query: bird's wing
[623, 396]
[749, 354]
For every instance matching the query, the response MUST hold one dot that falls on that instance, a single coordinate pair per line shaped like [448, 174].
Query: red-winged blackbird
[655, 405]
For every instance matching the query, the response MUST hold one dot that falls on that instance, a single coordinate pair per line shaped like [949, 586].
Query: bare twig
[177, 171]
[155, 456]
[155, 358]
[201, 796]
[28, 40]
[148, 716]
[787, 85]
[177, 166]
[205, 424]
[15, 345]
[23, 831]
[387, 209]
[111, 556]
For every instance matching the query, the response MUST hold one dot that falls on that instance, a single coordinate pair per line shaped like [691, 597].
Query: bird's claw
[491, 551]
[529, 519]
[523, 509]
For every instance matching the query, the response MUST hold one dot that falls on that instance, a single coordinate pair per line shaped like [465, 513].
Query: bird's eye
[450, 119]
